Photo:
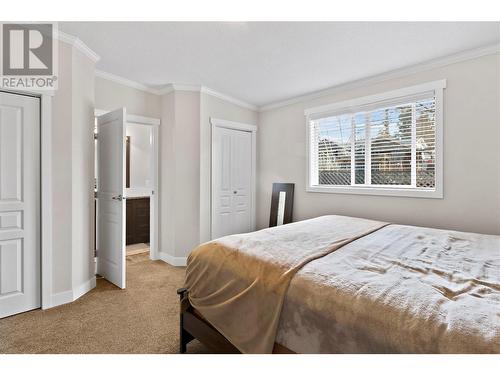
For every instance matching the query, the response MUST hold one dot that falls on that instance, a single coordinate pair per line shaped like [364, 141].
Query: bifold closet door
[231, 181]
[19, 204]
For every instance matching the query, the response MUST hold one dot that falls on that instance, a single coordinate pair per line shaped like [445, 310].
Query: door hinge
[96, 136]
[95, 194]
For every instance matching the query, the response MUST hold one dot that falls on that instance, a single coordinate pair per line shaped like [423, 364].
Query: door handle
[119, 198]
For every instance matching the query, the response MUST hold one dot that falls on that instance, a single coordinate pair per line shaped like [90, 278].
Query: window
[386, 144]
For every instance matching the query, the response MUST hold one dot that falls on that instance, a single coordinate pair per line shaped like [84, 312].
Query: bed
[338, 284]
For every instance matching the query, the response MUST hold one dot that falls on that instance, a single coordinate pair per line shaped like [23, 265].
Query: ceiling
[266, 62]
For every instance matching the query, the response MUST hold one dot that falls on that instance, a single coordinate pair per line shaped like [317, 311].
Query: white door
[19, 203]
[111, 138]
[231, 181]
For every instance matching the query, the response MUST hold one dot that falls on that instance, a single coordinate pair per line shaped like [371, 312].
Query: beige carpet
[144, 318]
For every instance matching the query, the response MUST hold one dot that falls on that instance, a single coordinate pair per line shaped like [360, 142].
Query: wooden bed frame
[192, 326]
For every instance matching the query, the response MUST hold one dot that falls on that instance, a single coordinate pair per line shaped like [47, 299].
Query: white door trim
[215, 122]
[46, 196]
[136, 119]
[233, 125]
[154, 213]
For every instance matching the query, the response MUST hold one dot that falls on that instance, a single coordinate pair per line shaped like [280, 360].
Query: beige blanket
[238, 282]
[401, 289]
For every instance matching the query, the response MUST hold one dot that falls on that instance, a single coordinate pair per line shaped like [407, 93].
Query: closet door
[231, 181]
[241, 180]
[19, 203]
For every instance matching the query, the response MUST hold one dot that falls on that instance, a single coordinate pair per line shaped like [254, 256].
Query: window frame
[351, 106]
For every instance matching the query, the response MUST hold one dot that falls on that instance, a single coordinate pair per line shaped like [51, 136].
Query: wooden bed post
[192, 325]
[184, 336]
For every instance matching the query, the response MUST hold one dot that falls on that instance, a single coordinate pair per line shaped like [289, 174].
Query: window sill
[383, 191]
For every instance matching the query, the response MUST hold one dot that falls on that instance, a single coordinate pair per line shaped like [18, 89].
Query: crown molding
[206, 90]
[126, 82]
[78, 44]
[171, 87]
[167, 89]
[393, 74]
[228, 98]
[181, 87]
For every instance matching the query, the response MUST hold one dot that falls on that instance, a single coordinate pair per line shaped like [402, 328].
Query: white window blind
[386, 144]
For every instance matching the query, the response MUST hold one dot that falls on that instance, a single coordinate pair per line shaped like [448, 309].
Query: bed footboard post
[184, 336]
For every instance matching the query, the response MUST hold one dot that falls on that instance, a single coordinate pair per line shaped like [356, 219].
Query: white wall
[471, 176]
[166, 176]
[82, 171]
[111, 95]
[179, 174]
[61, 174]
[185, 168]
[72, 176]
[141, 152]
[187, 173]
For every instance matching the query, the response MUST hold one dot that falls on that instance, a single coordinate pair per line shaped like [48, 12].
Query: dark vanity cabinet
[137, 220]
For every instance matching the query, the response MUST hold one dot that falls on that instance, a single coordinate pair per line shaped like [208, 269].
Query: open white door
[111, 206]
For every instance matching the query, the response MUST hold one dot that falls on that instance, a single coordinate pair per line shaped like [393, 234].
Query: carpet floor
[143, 318]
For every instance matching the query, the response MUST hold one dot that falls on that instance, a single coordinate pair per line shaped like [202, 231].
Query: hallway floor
[137, 248]
[143, 318]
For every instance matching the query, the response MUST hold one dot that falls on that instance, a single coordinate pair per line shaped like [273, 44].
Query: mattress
[401, 289]
[379, 289]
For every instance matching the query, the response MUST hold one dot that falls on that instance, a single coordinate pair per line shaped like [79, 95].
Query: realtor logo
[28, 56]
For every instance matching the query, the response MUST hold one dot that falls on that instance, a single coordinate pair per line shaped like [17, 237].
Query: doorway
[138, 166]
[126, 191]
[20, 246]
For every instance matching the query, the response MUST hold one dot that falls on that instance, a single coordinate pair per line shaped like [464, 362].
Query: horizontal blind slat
[390, 141]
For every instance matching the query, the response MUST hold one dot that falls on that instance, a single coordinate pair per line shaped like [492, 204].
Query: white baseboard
[61, 298]
[173, 261]
[69, 296]
[84, 288]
